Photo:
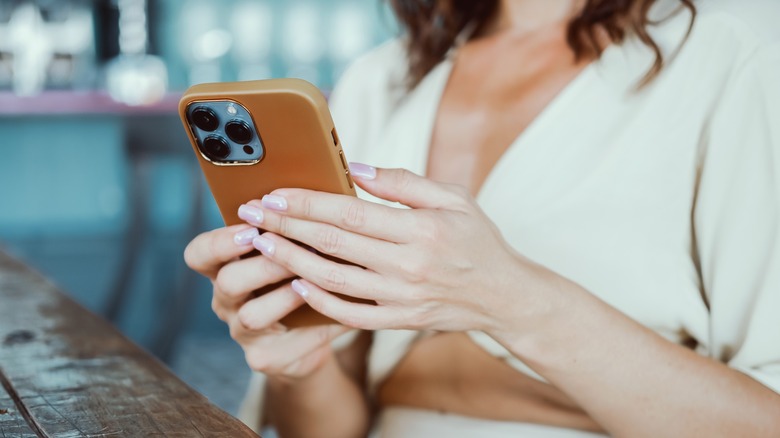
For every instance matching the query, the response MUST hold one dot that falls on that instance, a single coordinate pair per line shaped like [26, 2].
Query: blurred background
[99, 189]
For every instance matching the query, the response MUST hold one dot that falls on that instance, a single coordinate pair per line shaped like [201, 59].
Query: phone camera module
[239, 131]
[205, 119]
[216, 148]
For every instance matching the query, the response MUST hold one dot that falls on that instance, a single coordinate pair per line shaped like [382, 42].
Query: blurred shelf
[80, 103]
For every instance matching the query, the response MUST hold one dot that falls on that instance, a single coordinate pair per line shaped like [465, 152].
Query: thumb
[405, 187]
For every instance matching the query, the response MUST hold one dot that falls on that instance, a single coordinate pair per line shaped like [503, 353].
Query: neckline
[440, 78]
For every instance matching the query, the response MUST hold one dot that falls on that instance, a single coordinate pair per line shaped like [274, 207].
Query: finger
[209, 251]
[264, 311]
[408, 188]
[346, 212]
[336, 277]
[272, 354]
[238, 280]
[375, 254]
[307, 363]
[357, 315]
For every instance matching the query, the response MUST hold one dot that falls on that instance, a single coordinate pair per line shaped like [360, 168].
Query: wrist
[302, 390]
[540, 314]
[318, 397]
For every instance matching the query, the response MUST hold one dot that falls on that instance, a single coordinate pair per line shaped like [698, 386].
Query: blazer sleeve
[736, 219]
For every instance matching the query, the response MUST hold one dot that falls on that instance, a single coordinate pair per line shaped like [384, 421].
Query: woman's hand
[441, 264]
[254, 321]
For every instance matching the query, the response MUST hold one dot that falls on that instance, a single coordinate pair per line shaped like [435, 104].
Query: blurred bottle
[135, 77]
[46, 44]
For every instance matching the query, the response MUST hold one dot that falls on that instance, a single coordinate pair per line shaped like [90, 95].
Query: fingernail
[362, 171]
[264, 245]
[300, 289]
[243, 238]
[250, 214]
[273, 202]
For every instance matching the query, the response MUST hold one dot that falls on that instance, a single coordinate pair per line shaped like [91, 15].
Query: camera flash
[231, 110]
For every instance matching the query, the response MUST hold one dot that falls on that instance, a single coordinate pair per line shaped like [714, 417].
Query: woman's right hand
[269, 347]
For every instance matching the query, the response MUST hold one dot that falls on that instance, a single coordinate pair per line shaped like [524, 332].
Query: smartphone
[254, 137]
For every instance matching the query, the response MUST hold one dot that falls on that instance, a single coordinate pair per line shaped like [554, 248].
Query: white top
[663, 202]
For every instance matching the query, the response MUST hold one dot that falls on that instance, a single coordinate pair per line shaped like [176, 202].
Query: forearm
[327, 403]
[634, 382]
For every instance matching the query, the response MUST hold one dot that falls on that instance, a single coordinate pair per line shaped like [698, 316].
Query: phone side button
[335, 137]
[349, 179]
[343, 160]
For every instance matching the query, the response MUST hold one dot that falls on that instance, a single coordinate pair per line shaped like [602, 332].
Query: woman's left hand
[440, 265]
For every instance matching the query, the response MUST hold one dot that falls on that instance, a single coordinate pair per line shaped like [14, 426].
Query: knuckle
[416, 296]
[334, 280]
[354, 216]
[323, 335]
[416, 269]
[284, 225]
[191, 258]
[306, 206]
[429, 231]
[461, 191]
[247, 322]
[257, 360]
[417, 319]
[236, 330]
[216, 307]
[330, 240]
[225, 284]
[405, 180]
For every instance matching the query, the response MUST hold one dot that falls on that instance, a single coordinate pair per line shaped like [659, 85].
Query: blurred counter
[80, 103]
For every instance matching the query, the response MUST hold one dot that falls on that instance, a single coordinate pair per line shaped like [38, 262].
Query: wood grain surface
[67, 373]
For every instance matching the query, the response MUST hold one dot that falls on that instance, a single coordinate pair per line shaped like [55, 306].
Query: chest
[487, 104]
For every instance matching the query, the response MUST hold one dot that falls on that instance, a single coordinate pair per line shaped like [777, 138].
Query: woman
[594, 248]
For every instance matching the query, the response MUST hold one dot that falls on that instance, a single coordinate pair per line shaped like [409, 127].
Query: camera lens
[216, 148]
[239, 131]
[205, 119]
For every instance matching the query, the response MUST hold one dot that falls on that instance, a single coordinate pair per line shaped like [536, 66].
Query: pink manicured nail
[250, 214]
[362, 171]
[264, 245]
[243, 238]
[300, 289]
[273, 202]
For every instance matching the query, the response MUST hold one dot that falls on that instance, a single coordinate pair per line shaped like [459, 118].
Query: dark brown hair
[433, 26]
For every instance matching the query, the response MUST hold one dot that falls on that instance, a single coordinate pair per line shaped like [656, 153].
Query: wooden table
[67, 373]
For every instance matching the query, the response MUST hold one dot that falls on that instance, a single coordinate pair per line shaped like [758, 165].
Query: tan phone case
[301, 150]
